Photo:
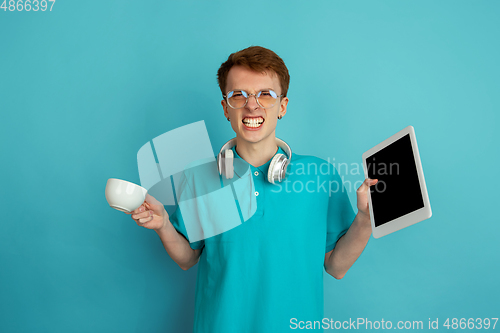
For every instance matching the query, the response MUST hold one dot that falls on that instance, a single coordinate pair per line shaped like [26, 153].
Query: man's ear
[224, 107]
[283, 105]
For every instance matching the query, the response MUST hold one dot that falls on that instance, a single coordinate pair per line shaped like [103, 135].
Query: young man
[260, 275]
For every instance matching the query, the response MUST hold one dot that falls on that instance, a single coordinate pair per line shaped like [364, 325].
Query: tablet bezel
[410, 218]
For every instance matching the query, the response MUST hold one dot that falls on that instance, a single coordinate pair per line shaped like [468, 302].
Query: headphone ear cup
[225, 163]
[228, 164]
[219, 164]
[275, 168]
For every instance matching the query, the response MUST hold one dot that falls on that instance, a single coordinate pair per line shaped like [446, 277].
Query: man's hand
[151, 214]
[362, 196]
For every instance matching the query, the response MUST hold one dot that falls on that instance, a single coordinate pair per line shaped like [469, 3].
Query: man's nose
[252, 102]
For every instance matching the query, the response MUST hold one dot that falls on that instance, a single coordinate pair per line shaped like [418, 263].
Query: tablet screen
[397, 192]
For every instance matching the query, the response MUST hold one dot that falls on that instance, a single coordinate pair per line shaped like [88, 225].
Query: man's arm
[352, 243]
[152, 215]
[177, 246]
[348, 247]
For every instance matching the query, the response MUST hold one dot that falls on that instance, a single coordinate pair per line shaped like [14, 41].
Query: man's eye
[266, 93]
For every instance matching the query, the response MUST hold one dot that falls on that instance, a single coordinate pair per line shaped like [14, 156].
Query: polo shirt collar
[264, 167]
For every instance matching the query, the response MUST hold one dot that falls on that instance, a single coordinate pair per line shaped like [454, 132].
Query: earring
[279, 117]
[228, 119]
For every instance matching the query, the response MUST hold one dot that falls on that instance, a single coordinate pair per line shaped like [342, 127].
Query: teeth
[253, 122]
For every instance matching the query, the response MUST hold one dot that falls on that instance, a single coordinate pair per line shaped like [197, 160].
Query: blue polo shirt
[259, 275]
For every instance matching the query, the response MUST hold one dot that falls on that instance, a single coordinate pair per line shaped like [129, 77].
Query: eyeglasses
[237, 99]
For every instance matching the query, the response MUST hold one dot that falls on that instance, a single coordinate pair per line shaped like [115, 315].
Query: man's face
[243, 120]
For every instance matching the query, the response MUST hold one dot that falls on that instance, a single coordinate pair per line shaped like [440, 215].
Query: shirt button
[256, 173]
[256, 193]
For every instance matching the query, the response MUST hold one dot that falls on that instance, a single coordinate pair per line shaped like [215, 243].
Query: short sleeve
[340, 213]
[178, 223]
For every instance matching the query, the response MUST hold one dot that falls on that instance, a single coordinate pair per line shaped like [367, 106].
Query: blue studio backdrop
[84, 84]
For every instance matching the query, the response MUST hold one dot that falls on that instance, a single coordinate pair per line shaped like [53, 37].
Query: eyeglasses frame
[248, 97]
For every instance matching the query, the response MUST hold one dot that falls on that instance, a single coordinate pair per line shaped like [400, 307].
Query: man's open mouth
[253, 122]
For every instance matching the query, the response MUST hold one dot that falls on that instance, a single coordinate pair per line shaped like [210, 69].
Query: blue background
[83, 87]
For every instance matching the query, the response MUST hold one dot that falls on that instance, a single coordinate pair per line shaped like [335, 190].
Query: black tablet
[400, 198]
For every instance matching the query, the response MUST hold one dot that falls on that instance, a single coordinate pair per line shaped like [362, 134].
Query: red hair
[258, 59]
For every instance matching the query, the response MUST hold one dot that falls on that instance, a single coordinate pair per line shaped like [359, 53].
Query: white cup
[123, 195]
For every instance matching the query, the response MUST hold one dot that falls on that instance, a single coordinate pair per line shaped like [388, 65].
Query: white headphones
[277, 167]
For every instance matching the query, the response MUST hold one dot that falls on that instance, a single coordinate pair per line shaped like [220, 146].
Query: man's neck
[257, 153]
